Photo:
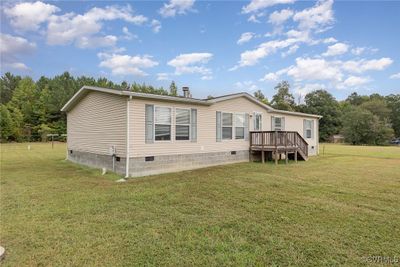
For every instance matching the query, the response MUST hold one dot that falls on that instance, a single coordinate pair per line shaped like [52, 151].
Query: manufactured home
[137, 134]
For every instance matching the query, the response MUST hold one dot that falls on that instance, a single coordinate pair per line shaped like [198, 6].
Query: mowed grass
[335, 209]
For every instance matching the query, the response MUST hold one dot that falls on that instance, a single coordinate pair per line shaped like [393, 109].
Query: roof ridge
[71, 102]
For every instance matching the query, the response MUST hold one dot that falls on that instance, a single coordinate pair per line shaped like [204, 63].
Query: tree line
[29, 110]
[361, 119]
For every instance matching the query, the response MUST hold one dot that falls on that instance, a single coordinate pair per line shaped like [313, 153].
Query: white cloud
[247, 86]
[316, 17]
[353, 81]
[162, 76]
[207, 77]
[362, 50]
[314, 69]
[128, 35]
[78, 29]
[358, 50]
[336, 49]
[11, 48]
[270, 77]
[300, 36]
[245, 37]
[125, 64]
[253, 18]
[321, 69]
[12, 45]
[291, 50]
[395, 76]
[156, 25]
[334, 72]
[96, 41]
[17, 66]
[307, 88]
[28, 16]
[257, 5]
[191, 63]
[252, 57]
[329, 40]
[176, 7]
[359, 66]
[279, 17]
[294, 38]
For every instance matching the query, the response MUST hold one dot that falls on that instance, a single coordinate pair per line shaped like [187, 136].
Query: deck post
[262, 148]
[250, 150]
[276, 157]
[295, 155]
[286, 157]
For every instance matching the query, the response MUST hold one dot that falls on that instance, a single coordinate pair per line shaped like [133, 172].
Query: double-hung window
[278, 123]
[227, 125]
[182, 124]
[257, 121]
[308, 128]
[162, 125]
[239, 126]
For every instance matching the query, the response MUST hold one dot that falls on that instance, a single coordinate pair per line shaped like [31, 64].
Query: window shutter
[312, 128]
[283, 123]
[149, 124]
[304, 128]
[219, 128]
[272, 123]
[246, 126]
[193, 128]
[261, 123]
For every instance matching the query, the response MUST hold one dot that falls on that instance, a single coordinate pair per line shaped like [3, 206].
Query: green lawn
[335, 209]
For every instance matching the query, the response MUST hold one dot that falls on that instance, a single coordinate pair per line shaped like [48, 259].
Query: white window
[257, 122]
[182, 127]
[278, 123]
[162, 125]
[239, 126]
[227, 125]
[308, 128]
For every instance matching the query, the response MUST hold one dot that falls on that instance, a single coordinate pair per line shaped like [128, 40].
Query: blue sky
[214, 47]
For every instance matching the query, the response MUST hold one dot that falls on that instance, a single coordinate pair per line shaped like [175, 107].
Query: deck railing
[278, 139]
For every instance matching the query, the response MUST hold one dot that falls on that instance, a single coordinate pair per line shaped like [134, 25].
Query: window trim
[222, 126]
[255, 113]
[190, 124]
[244, 126]
[280, 128]
[233, 126]
[311, 128]
[154, 123]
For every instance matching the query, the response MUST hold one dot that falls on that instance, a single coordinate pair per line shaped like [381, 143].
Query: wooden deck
[278, 143]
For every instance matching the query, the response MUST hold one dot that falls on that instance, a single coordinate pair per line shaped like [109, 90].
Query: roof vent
[186, 92]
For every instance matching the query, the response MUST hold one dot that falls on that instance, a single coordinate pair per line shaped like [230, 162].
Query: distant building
[337, 138]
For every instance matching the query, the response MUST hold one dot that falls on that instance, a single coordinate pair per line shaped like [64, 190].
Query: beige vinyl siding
[206, 128]
[98, 122]
[295, 123]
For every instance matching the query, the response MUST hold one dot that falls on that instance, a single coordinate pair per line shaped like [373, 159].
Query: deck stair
[274, 144]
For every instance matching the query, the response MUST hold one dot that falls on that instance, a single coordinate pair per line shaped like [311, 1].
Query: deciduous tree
[322, 103]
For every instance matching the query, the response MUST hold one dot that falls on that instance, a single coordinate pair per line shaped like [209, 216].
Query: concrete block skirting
[97, 161]
[172, 163]
[142, 166]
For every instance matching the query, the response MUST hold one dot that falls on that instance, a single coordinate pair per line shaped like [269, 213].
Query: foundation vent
[150, 158]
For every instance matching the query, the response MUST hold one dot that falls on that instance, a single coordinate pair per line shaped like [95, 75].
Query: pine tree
[283, 99]
[173, 90]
